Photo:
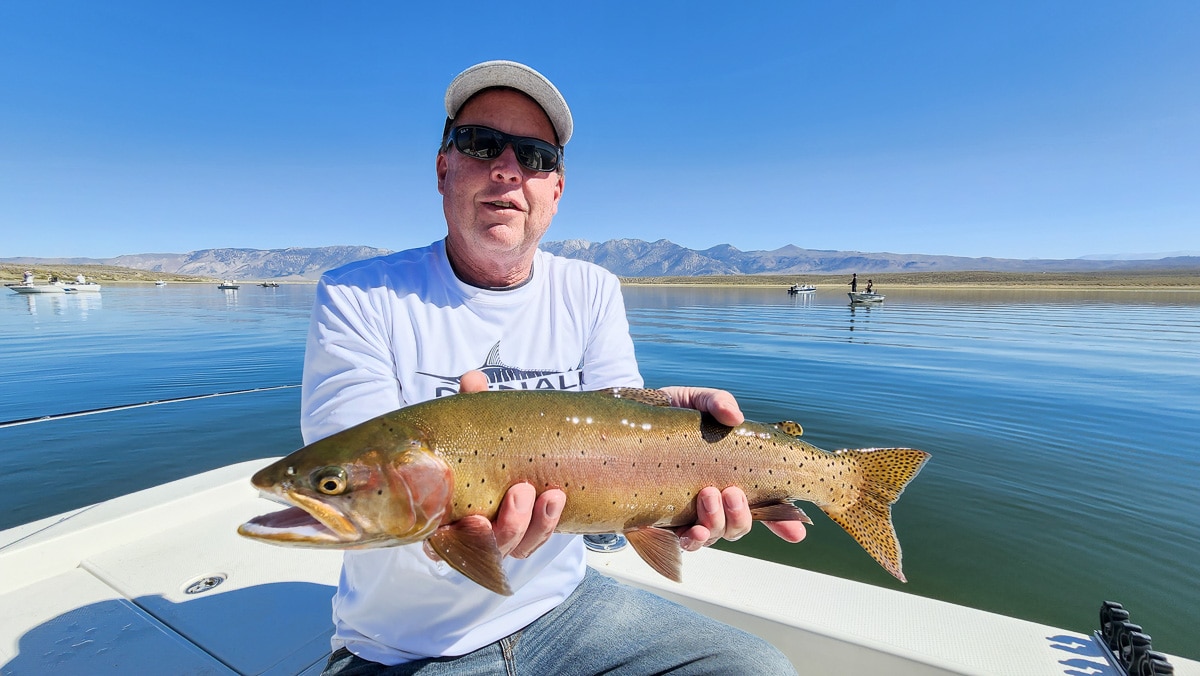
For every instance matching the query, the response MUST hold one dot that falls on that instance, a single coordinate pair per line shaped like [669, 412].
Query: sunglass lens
[537, 156]
[479, 142]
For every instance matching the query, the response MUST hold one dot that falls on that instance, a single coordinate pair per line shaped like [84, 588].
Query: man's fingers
[790, 531]
[516, 511]
[718, 403]
[546, 510]
[737, 513]
[472, 381]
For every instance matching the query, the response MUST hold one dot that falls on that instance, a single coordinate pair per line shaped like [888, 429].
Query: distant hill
[637, 258]
[293, 263]
[623, 257]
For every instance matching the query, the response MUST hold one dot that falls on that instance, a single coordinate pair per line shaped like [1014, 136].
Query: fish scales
[627, 461]
[622, 463]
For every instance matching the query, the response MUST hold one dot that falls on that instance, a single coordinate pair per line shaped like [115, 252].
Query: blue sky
[1013, 129]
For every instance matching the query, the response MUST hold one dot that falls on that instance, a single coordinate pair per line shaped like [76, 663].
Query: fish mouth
[309, 522]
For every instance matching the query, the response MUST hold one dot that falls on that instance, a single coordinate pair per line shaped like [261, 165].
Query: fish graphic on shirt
[499, 373]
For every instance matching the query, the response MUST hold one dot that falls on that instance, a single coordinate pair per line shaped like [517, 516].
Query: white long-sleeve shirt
[397, 330]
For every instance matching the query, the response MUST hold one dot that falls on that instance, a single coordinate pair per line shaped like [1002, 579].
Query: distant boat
[801, 288]
[52, 287]
[270, 285]
[160, 283]
[228, 284]
[86, 286]
[865, 297]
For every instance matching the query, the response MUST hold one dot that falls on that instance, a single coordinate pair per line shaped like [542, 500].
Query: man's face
[497, 207]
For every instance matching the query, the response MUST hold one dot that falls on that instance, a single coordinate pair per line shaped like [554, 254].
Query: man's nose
[505, 166]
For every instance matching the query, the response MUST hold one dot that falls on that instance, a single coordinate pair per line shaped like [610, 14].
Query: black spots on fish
[503, 465]
[379, 492]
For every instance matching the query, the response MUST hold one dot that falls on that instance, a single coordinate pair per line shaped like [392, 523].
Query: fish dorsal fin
[778, 511]
[789, 427]
[642, 395]
[658, 547]
[469, 546]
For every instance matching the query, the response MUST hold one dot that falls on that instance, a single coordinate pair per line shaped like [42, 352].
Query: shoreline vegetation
[1157, 280]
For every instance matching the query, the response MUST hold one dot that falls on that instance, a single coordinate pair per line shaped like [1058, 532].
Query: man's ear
[442, 166]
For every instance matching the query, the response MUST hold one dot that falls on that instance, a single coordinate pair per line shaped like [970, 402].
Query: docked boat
[158, 581]
[229, 284]
[801, 288]
[865, 297]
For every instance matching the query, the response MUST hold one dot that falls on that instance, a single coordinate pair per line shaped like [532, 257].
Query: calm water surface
[1064, 426]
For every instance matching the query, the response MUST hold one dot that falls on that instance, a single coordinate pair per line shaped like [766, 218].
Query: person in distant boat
[27, 278]
[54, 279]
[79, 279]
[484, 308]
[870, 285]
[854, 282]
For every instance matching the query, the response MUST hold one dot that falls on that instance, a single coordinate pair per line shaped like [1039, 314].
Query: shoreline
[1156, 280]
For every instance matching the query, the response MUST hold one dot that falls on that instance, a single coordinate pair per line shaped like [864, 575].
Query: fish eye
[330, 480]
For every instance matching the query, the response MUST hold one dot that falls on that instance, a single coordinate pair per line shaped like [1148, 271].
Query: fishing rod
[122, 407]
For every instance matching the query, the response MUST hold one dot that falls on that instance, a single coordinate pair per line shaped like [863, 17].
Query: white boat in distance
[159, 582]
[52, 287]
[228, 284]
[865, 297]
[801, 288]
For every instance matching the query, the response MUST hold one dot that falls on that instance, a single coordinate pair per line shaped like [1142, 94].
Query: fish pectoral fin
[789, 427]
[469, 546]
[778, 511]
[642, 395]
[658, 547]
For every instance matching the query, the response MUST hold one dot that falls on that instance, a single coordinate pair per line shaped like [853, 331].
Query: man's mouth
[501, 204]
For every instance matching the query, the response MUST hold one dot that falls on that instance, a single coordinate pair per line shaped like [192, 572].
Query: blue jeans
[604, 627]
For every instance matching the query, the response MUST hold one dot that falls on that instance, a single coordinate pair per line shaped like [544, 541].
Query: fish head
[364, 487]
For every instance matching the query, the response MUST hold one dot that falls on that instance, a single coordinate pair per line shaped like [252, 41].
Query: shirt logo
[501, 376]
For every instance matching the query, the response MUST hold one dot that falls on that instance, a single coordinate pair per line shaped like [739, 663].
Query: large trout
[627, 460]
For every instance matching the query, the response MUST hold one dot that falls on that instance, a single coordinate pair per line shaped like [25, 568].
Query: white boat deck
[105, 590]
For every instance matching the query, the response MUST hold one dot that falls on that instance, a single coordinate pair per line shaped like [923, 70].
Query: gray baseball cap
[515, 76]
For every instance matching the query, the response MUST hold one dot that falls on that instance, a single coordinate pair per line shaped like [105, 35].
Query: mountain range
[623, 257]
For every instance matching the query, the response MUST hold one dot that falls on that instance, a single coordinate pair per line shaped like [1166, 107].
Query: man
[485, 302]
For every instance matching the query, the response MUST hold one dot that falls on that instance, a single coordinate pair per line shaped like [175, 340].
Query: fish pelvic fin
[885, 473]
[658, 547]
[469, 546]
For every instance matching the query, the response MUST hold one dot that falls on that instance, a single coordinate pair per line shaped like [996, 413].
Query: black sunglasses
[485, 143]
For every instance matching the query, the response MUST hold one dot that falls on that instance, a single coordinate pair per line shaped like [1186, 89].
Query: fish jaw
[308, 523]
[382, 497]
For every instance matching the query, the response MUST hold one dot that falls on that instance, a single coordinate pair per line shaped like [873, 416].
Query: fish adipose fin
[469, 546]
[642, 395]
[789, 427]
[868, 519]
[658, 547]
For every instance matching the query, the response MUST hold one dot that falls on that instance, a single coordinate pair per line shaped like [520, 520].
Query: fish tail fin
[868, 518]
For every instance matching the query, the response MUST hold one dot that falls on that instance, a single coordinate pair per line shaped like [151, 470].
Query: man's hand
[722, 514]
[526, 519]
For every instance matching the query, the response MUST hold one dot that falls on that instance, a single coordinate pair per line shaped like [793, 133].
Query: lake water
[1064, 426]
